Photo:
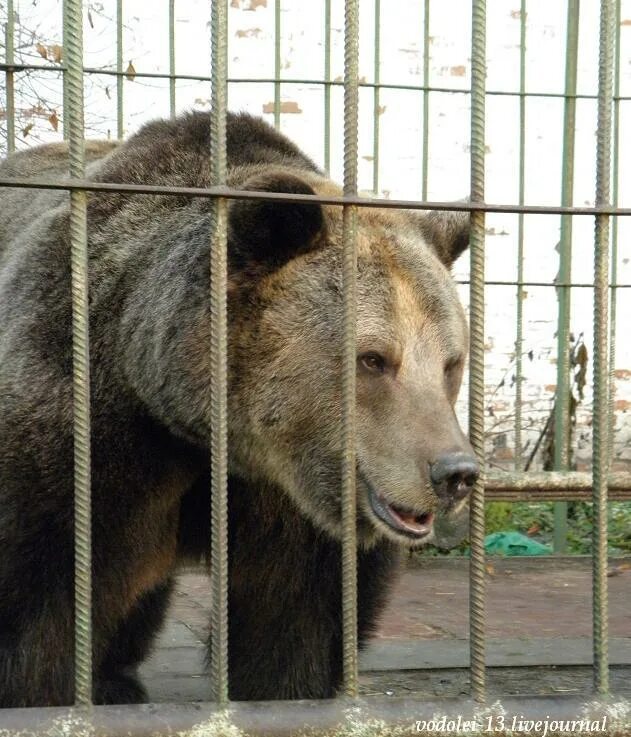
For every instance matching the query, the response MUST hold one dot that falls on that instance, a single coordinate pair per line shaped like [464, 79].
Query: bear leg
[36, 661]
[117, 681]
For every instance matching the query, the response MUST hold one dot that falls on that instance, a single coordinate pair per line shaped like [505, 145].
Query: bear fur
[149, 268]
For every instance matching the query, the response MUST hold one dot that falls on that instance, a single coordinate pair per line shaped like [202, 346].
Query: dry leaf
[42, 50]
[490, 569]
[57, 53]
[27, 130]
[581, 360]
[618, 570]
[130, 72]
[53, 120]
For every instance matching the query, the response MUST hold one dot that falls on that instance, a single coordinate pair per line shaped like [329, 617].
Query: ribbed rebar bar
[63, 68]
[425, 153]
[120, 82]
[519, 337]
[476, 380]
[349, 277]
[81, 358]
[562, 403]
[9, 36]
[600, 458]
[172, 75]
[218, 359]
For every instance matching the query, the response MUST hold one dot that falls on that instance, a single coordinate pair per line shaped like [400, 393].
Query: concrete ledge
[369, 717]
[420, 655]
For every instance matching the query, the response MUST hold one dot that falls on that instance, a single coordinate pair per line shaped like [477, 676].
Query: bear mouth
[405, 521]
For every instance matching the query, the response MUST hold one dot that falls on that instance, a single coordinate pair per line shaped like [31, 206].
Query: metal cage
[350, 714]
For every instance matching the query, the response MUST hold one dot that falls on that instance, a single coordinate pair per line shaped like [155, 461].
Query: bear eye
[452, 364]
[373, 362]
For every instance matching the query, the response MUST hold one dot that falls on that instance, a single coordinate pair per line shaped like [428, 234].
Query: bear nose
[453, 475]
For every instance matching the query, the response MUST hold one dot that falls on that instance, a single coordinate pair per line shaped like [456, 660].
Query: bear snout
[453, 475]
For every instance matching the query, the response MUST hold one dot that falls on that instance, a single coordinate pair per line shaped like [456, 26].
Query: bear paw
[120, 688]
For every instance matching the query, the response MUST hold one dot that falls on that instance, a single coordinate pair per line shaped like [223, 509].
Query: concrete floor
[538, 615]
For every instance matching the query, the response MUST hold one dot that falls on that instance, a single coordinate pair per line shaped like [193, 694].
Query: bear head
[286, 358]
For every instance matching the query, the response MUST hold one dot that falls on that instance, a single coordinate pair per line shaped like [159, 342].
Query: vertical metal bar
[64, 92]
[9, 76]
[614, 230]
[375, 111]
[519, 340]
[327, 86]
[119, 70]
[562, 403]
[218, 361]
[601, 374]
[476, 382]
[81, 358]
[425, 163]
[172, 58]
[277, 41]
[349, 496]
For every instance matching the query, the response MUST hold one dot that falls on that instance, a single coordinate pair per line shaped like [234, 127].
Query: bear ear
[446, 231]
[269, 233]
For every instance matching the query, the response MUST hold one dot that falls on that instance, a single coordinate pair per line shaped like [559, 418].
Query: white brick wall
[302, 56]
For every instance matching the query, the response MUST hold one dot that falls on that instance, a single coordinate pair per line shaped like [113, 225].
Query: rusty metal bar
[376, 715]
[349, 281]
[600, 455]
[73, 21]
[218, 359]
[477, 578]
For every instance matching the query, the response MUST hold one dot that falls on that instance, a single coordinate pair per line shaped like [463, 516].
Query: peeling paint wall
[302, 44]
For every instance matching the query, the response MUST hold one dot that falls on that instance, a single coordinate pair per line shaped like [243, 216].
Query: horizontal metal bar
[553, 486]
[241, 194]
[551, 495]
[517, 283]
[306, 81]
[554, 480]
[373, 715]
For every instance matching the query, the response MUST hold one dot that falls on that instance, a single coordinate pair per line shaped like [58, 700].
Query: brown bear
[150, 332]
